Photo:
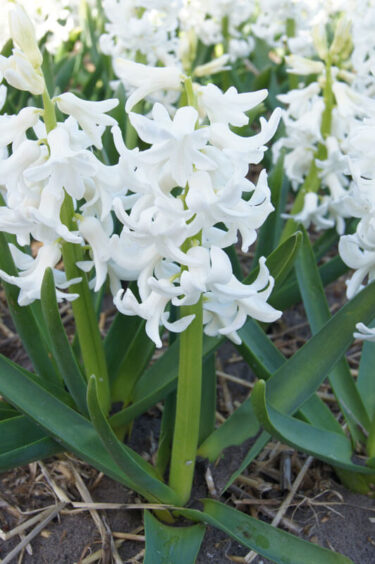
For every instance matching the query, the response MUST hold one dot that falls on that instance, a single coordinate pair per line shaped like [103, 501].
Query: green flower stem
[326, 124]
[49, 112]
[90, 342]
[189, 93]
[186, 433]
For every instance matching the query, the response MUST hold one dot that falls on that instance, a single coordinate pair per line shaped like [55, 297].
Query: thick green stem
[91, 345]
[186, 433]
[90, 341]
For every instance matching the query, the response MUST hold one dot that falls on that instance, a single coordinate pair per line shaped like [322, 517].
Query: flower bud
[303, 66]
[23, 35]
[320, 41]
[342, 44]
[213, 67]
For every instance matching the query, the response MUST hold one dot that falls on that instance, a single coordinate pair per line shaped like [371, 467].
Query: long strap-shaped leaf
[65, 425]
[158, 381]
[366, 380]
[133, 465]
[134, 362]
[172, 545]
[264, 358]
[29, 452]
[118, 339]
[21, 442]
[318, 314]
[61, 348]
[333, 448]
[280, 261]
[272, 543]
[296, 380]
[24, 320]
[289, 294]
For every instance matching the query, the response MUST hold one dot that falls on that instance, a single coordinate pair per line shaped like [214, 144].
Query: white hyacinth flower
[356, 256]
[32, 271]
[176, 142]
[146, 80]
[65, 168]
[364, 333]
[20, 73]
[228, 107]
[23, 34]
[90, 115]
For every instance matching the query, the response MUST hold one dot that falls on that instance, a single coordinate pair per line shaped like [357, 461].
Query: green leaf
[297, 379]
[61, 348]
[325, 242]
[333, 448]
[7, 411]
[258, 350]
[157, 382]
[288, 294]
[264, 358]
[21, 442]
[317, 310]
[242, 424]
[208, 398]
[17, 431]
[166, 434]
[269, 233]
[366, 380]
[172, 545]
[130, 463]
[117, 341]
[29, 452]
[270, 542]
[281, 260]
[64, 74]
[65, 425]
[24, 320]
[134, 362]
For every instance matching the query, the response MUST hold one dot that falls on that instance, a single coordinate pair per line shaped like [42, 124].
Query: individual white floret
[91, 116]
[65, 168]
[364, 333]
[176, 142]
[228, 107]
[31, 272]
[146, 80]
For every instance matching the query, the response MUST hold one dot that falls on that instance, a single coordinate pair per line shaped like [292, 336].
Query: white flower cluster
[149, 34]
[311, 142]
[167, 33]
[224, 22]
[358, 250]
[189, 206]
[53, 20]
[180, 202]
